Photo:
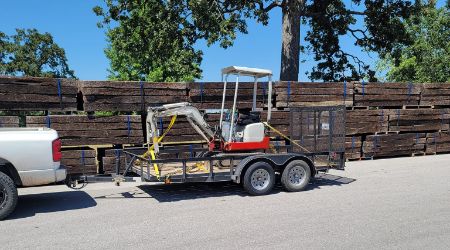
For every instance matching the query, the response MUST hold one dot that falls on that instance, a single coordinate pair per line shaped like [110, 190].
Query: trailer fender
[277, 161]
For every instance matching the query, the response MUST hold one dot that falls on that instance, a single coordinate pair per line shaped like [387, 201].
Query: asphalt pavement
[401, 203]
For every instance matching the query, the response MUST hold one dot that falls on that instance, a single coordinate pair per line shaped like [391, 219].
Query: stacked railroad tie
[298, 94]
[437, 94]
[9, 121]
[37, 94]
[130, 96]
[438, 142]
[80, 161]
[81, 130]
[110, 159]
[388, 145]
[413, 120]
[376, 94]
[209, 95]
[353, 146]
[365, 121]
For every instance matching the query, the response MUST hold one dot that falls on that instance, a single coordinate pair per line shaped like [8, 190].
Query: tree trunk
[290, 48]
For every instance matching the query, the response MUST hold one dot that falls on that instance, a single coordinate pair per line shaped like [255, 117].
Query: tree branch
[270, 6]
[354, 31]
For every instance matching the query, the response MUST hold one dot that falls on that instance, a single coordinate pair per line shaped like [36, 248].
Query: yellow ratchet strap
[287, 138]
[150, 150]
[284, 136]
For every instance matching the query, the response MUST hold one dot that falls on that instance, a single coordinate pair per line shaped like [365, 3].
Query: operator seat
[250, 117]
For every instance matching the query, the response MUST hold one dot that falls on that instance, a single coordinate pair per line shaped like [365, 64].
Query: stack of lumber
[130, 96]
[386, 94]
[321, 143]
[209, 95]
[366, 121]
[435, 94]
[438, 142]
[279, 120]
[353, 146]
[80, 161]
[294, 94]
[413, 120]
[36, 93]
[75, 130]
[9, 121]
[109, 161]
[181, 130]
[388, 145]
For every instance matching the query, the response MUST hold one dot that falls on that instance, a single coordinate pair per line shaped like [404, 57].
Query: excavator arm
[192, 114]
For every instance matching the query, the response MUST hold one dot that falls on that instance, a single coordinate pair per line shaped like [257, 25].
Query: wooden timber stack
[81, 130]
[360, 122]
[209, 95]
[9, 121]
[438, 142]
[437, 94]
[37, 94]
[375, 94]
[353, 146]
[389, 145]
[414, 120]
[80, 161]
[109, 161]
[299, 94]
[130, 96]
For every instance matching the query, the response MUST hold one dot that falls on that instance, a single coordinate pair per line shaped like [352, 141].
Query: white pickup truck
[28, 157]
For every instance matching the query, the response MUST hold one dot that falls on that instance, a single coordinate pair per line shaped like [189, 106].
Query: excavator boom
[192, 114]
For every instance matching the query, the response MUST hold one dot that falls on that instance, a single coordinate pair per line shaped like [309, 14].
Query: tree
[152, 42]
[31, 53]
[427, 59]
[144, 23]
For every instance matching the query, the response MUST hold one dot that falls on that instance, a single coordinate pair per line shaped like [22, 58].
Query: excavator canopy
[245, 71]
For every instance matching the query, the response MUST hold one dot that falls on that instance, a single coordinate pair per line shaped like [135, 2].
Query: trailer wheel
[295, 176]
[259, 178]
[8, 196]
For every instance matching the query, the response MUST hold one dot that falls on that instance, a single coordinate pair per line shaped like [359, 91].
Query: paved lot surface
[399, 203]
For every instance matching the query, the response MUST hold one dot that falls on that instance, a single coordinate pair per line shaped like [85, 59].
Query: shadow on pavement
[190, 191]
[31, 204]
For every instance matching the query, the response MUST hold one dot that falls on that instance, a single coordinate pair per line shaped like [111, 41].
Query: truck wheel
[295, 176]
[8, 196]
[259, 178]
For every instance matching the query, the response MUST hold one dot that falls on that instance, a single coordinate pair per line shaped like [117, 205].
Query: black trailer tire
[8, 196]
[259, 178]
[296, 176]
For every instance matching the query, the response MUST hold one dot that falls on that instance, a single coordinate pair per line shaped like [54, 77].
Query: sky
[73, 26]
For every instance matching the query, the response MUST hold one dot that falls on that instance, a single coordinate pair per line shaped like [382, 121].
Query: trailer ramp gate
[320, 131]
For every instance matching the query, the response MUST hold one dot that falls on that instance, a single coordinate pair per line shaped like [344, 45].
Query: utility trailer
[239, 149]
[317, 144]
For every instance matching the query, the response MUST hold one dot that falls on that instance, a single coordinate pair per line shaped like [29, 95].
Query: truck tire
[296, 176]
[8, 196]
[259, 178]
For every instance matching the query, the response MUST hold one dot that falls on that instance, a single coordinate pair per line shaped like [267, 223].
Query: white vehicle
[28, 157]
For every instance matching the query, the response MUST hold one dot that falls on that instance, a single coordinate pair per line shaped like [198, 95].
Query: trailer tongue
[239, 148]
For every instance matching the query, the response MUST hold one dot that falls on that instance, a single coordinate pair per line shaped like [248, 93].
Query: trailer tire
[296, 176]
[8, 196]
[259, 178]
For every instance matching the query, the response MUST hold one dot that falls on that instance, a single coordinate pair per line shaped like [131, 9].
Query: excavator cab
[244, 130]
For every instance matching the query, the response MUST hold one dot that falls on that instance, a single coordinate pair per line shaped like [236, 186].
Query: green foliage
[427, 59]
[151, 41]
[33, 54]
[155, 39]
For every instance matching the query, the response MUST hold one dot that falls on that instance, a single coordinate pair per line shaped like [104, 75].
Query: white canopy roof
[245, 71]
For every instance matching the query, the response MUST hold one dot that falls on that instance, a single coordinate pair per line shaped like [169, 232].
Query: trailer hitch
[76, 182]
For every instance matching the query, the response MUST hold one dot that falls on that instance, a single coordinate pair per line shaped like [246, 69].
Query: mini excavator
[239, 130]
